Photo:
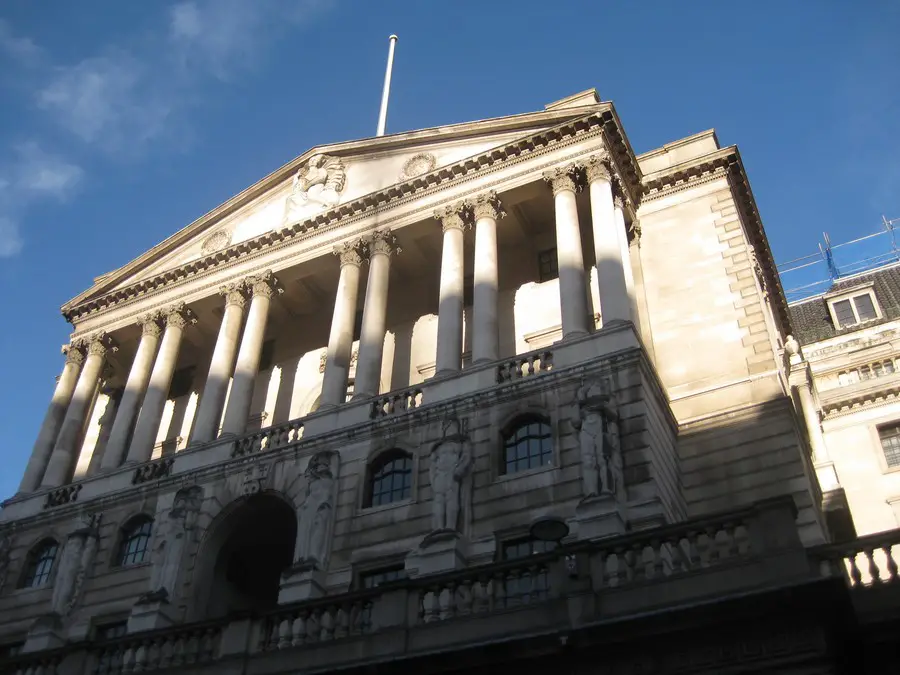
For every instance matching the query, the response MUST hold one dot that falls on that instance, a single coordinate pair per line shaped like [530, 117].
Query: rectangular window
[844, 312]
[890, 444]
[374, 578]
[525, 585]
[548, 266]
[865, 308]
[853, 310]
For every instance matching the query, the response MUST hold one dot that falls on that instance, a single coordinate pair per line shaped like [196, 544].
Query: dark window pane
[135, 542]
[527, 446]
[865, 308]
[377, 577]
[40, 565]
[890, 444]
[548, 266]
[526, 585]
[844, 313]
[390, 479]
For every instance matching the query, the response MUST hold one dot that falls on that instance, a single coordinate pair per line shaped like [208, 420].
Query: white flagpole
[382, 116]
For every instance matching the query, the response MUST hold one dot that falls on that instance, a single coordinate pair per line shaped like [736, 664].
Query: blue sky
[121, 122]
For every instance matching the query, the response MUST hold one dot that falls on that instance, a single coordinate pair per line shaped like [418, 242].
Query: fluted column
[624, 245]
[222, 365]
[147, 426]
[135, 388]
[382, 245]
[340, 341]
[263, 287]
[454, 219]
[486, 331]
[570, 260]
[53, 419]
[62, 459]
[614, 303]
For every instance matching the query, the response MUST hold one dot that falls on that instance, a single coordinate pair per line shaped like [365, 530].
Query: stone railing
[158, 468]
[866, 561]
[46, 663]
[318, 621]
[171, 648]
[270, 438]
[396, 402]
[524, 365]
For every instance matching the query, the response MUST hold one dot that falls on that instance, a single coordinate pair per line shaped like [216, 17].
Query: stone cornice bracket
[74, 352]
[564, 178]
[758, 271]
[487, 205]
[351, 252]
[634, 232]
[179, 315]
[383, 241]
[454, 216]
[234, 293]
[598, 167]
[264, 284]
[150, 324]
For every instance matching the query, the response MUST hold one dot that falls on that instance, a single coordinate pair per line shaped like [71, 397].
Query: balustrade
[396, 403]
[331, 620]
[140, 653]
[273, 437]
[867, 561]
[524, 365]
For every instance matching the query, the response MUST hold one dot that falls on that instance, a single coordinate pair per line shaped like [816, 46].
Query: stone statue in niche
[316, 512]
[598, 438]
[77, 558]
[171, 539]
[320, 182]
[451, 461]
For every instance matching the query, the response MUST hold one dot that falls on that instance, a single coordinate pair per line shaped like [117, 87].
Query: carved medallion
[216, 242]
[418, 165]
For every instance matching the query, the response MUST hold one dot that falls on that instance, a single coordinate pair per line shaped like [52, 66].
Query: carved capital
[234, 294]
[350, 252]
[74, 353]
[487, 205]
[618, 201]
[384, 242]
[453, 217]
[100, 344]
[597, 167]
[179, 316]
[264, 285]
[562, 179]
[149, 324]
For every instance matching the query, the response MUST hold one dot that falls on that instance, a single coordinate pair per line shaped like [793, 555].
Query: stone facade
[496, 380]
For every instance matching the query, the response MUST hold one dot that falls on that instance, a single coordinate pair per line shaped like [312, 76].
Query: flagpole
[382, 116]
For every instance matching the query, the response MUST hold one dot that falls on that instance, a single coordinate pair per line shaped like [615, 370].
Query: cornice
[873, 398]
[603, 121]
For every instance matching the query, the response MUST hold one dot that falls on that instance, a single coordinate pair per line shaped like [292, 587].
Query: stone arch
[242, 555]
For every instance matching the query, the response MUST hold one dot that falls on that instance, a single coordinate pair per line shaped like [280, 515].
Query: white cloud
[10, 238]
[20, 49]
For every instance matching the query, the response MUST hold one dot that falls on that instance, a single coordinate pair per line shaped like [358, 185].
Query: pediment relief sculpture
[215, 242]
[318, 183]
[418, 165]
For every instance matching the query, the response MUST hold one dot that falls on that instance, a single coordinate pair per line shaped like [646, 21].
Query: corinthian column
[614, 304]
[340, 341]
[454, 219]
[147, 427]
[486, 333]
[53, 419]
[263, 287]
[382, 245]
[570, 260]
[62, 459]
[222, 365]
[135, 387]
[622, 232]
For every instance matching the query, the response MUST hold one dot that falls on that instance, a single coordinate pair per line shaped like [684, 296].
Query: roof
[812, 321]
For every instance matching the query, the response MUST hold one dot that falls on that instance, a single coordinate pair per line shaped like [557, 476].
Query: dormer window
[853, 307]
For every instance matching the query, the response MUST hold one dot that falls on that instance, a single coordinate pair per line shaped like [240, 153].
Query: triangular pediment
[327, 176]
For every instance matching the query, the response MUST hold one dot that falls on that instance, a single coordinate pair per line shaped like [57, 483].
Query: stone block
[47, 632]
[600, 516]
[301, 582]
[151, 615]
[440, 551]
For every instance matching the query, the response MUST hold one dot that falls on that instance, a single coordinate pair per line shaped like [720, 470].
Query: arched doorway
[240, 565]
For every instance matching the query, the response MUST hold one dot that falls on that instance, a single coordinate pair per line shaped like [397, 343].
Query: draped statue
[319, 182]
[169, 544]
[451, 460]
[598, 438]
[316, 512]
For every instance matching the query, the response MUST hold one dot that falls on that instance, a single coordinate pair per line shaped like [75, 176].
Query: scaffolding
[828, 255]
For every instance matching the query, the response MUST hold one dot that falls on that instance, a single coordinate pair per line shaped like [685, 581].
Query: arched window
[39, 564]
[135, 542]
[390, 478]
[527, 444]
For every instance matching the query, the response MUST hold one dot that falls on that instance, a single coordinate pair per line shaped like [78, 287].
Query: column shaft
[570, 260]
[53, 420]
[622, 232]
[450, 308]
[263, 286]
[135, 387]
[486, 330]
[147, 426]
[62, 460]
[811, 417]
[340, 340]
[371, 342]
[221, 366]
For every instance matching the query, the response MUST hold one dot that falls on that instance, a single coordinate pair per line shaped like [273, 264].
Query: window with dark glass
[39, 565]
[109, 631]
[135, 542]
[865, 308]
[376, 577]
[855, 310]
[527, 445]
[548, 265]
[11, 649]
[390, 479]
[890, 444]
[528, 583]
[844, 313]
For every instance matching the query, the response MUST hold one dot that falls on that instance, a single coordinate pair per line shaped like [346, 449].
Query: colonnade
[236, 355]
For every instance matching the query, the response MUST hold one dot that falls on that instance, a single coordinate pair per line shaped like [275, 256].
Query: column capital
[179, 315]
[74, 353]
[99, 344]
[149, 324]
[264, 284]
[598, 167]
[384, 242]
[351, 252]
[618, 201]
[562, 179]
[234, 294]
[453, 216]
[487, 205]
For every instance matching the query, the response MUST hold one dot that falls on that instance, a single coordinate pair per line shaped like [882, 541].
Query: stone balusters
[382, 245]
[176, 318]
[222, 365]
[263, 287]
[135, 389]
[487, 210]
[53, 419]
[454, 220]
[340, 341]
[64, 455]
[572, 281]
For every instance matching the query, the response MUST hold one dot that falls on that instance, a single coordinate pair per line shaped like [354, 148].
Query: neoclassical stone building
[503, 391]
